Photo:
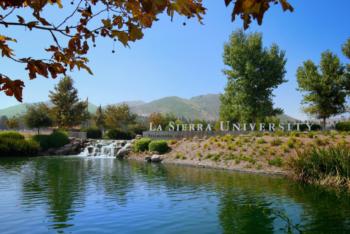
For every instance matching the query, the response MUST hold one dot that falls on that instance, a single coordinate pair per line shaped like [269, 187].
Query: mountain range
[199, 107]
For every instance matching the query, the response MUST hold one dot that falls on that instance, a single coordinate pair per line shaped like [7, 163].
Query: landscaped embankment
[315, 157]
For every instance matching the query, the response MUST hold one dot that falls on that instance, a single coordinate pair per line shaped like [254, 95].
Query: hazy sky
[185, 61]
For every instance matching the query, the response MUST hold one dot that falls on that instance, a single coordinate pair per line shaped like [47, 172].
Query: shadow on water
[119, 194]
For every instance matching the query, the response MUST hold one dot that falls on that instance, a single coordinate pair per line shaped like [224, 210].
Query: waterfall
[106, 148]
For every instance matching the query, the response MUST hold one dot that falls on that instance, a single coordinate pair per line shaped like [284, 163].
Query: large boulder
[122, 152]
[156, 158]
[128, 146]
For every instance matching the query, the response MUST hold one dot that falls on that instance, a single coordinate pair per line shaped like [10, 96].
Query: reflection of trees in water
[117, 181]
[325, 210]
[257, 203]
[247, 203]
[242, 213]
[60, 182]
[63, 184]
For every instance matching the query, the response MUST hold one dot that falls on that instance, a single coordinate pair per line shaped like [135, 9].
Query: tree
[157, 119]
[87, 20]
[38, 116]
[3, 121]
[12, 123]
[119, 117]
[346, 48]
[67, 109]
[346, 52]
[100, 118]
[323, 86]
[254, 72]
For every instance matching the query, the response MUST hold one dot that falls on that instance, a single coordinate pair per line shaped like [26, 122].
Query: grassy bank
[274, 153]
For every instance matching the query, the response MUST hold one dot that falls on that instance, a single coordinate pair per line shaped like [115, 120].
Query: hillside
[199, 107]
[21, 109]
[175, 105]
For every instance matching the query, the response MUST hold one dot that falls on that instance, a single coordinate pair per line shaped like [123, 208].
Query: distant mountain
[131, 103]
[199, 107]
[14, 110]
[21, 109]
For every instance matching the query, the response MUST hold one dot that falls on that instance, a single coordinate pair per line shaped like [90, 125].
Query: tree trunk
[324, 123]
[38, 131]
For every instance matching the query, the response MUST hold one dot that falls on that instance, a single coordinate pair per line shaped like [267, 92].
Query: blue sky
[185, 61]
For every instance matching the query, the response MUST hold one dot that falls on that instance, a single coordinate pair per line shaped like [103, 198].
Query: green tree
[38, 116]
[346, 52]
[67, 109]
[3, 120]
[323, 86]
[346, 48]
[119, 117]
[100, 118]
[12, 123]
[254, 72]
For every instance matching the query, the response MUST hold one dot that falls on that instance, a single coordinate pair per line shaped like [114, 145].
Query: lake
[104, 195]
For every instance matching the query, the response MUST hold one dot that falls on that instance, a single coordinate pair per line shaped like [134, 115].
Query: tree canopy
[119, 117]
[87, 20]
[68, 110]
[324, 86]
[254, 72]
[38, 116]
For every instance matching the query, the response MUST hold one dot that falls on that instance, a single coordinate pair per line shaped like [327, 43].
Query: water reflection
[101, 195]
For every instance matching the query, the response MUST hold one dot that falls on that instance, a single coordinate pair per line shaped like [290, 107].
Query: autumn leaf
[12, 88]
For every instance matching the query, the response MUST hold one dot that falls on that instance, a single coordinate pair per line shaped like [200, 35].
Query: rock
[122, 153]
[128, 146]
[156, 158]
[148, 158]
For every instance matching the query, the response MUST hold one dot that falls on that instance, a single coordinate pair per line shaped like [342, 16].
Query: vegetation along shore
[321, 158]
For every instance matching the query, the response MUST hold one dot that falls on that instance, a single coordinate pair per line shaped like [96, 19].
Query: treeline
[68, 113]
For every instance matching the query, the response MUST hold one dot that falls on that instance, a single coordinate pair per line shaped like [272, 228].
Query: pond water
[104, 195]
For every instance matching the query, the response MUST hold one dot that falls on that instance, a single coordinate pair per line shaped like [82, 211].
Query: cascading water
[107, 148]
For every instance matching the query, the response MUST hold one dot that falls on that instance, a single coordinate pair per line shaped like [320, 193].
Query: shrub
[117, 134]
[142, 144]
[54, 140]
[343, 126]
[11, 135]
[159, 146]
[261, 141]
[58, 139]
[276, 142]
[180, 156]
[18, 147]
[93, 133]
[277, 162]
[291, 142]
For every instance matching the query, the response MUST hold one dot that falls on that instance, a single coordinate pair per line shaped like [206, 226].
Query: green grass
[317, 165]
